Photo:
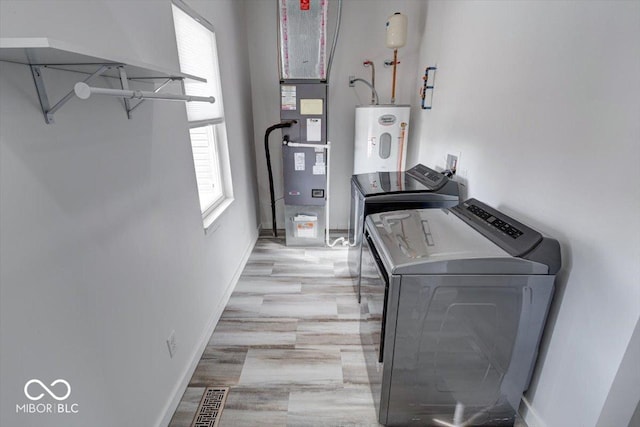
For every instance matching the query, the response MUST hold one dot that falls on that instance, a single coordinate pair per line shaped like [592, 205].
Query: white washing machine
[382, 133]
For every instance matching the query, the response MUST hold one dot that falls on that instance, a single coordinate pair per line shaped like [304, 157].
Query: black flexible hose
[266, 150]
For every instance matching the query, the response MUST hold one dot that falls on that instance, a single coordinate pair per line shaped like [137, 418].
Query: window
[198, 56]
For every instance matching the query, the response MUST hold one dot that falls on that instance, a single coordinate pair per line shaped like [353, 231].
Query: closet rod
[84, 91]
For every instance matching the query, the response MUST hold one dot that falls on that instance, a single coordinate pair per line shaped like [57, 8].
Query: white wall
[542, 99]
[623, 400]
[102, 248]
[362, 37]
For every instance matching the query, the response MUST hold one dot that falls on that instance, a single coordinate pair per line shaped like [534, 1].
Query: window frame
[217, 127]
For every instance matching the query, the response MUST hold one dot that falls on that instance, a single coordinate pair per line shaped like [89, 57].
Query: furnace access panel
[304, 167]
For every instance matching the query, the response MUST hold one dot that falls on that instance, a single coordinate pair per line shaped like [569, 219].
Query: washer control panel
[427, 176]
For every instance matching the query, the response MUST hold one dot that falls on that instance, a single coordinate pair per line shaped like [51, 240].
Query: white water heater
[382, 133]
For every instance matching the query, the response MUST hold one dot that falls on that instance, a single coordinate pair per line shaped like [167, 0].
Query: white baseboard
[204, 338]
[530, 415]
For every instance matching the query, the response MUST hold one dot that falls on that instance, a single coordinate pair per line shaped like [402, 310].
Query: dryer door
[373, 289]
[455, 338]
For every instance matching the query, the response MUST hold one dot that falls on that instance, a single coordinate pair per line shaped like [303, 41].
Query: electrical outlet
[351, 81]
[451, 163]
[171, 344]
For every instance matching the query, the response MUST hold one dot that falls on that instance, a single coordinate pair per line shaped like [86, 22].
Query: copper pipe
[403, 126]
[393, 83]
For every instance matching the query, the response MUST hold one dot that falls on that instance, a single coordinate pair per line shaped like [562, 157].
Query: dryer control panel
[501, 225]
[514, 237]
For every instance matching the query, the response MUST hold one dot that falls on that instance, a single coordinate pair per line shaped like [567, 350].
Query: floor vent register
[210, 408]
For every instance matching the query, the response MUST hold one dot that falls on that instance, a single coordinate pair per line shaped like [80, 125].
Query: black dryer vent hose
[270, 129]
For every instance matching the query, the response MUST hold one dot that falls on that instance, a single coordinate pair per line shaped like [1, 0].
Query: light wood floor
[287, 345]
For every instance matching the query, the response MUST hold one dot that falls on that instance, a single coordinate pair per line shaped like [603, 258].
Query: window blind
[198, 56]
[207, 173]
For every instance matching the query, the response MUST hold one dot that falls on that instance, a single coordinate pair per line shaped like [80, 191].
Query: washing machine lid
[437, 241]
[419, 178]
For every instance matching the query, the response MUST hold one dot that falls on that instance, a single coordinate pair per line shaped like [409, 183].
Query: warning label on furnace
[287, 97]
[298, 161]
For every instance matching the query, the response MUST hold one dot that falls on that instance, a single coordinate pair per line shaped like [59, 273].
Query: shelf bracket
[36, 72]
[124, 83]
[47, 110]
[158, 89]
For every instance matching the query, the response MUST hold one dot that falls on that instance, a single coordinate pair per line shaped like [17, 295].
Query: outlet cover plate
[452, 162]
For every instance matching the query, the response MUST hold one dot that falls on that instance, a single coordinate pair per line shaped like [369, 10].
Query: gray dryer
[453, 313]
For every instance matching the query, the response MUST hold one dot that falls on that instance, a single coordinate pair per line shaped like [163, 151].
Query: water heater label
[387, 120]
